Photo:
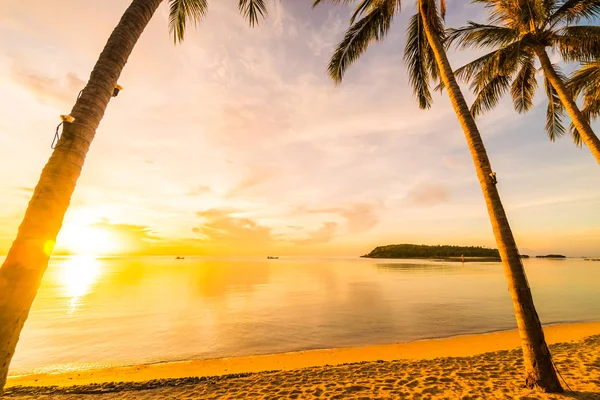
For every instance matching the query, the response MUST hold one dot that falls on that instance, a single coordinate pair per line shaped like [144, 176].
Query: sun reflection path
[77, 276]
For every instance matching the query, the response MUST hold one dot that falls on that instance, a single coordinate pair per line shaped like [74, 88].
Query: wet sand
[486, 366]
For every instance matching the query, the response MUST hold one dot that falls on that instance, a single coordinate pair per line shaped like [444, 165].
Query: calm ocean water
[118, 311]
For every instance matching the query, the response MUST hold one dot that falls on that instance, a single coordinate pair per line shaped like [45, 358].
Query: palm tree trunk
[27, 260]
[566, 97]
[539, 369]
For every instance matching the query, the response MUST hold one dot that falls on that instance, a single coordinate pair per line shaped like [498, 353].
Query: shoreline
[457, 346]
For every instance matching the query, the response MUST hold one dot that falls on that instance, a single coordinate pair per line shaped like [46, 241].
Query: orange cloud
[221, 231]
[47, 88]
[427, 195]
[323, 234]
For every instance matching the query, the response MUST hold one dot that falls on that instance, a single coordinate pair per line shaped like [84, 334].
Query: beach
[485, 366]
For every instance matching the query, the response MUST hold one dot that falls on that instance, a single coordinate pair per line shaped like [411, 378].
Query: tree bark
[27, 260]
[539, 369]
[566, 97]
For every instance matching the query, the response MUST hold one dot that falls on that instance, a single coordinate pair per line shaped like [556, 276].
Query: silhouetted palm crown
[516, 29]
[371, 22]
[586, 82]
[183, 11]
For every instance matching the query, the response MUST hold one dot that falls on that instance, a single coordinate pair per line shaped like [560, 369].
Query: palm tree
[586, 82]
[27, 260]
[519, 32]
[426, 59]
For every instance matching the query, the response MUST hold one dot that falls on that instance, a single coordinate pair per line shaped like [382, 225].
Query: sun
[87, 240]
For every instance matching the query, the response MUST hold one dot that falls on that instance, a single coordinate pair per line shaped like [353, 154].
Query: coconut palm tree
[427, 61]
[519, 32]
[27, 260]
[585, 82]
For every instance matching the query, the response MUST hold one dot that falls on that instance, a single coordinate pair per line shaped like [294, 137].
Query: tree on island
[27, 260]
[427, 61]
[424, 251]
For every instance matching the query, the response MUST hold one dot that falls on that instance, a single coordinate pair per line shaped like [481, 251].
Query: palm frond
[524, 85]
[585, 80]
[443, 9]
[505, 12]
[590, 110]
[182, 11]
[317, 2]
[572, 11]
[361, 9]
[435, 17]
[252, 9]
[372, 27]
[575, 135]
[476, 35]
[490, 94]
[554, 113]
[503, 62]
[578, 43]
[417, 53]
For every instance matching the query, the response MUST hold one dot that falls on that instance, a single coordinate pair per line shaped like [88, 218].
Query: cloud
[428, 195]
[252, 181]
[128, 231]
[359, 217]
[47, 88]
[199, 190]
[323, 234]
[222, 229]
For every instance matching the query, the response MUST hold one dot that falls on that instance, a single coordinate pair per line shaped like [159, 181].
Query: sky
[236, 142]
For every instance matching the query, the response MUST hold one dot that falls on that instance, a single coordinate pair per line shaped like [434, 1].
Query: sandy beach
[486, 366]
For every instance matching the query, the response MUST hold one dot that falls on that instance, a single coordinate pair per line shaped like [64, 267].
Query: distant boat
[272, 258]
[179, 258]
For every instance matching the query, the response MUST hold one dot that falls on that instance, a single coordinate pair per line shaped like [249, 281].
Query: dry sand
[484, 366]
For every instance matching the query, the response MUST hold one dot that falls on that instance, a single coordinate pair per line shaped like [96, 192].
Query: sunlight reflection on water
[77, 275]
[118, 311]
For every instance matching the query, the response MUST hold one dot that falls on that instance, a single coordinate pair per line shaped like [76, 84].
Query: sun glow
[87, 240]
[77, 275]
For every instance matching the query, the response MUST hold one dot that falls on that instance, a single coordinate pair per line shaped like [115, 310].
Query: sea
[99, 312]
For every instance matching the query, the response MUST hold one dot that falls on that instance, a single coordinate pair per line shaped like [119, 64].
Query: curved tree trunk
[581, 123]
[27, 260]
[539, 369]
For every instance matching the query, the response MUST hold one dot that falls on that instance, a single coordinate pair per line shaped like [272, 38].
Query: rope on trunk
[55, 144]
[63, 118]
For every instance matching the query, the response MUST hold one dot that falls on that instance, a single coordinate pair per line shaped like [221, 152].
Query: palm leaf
[502, 11]
[524, 85]
[503, 62]
[554, 113]
[476, 35]
[182, 11]
[490, 94]
[252, 9]
[572, 11]
[317, 2]
[417, 56]
[585, 80]
[372, 27]
[577, 43]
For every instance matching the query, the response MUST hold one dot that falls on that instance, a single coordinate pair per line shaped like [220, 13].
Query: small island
[446, 252]
[551, 256]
